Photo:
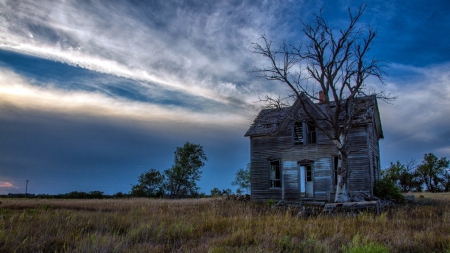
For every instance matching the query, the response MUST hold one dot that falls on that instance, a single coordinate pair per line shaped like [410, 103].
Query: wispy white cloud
[18, 91]
[201, 51]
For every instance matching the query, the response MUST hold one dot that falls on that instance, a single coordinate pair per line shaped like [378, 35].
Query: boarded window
[298, 133]
[275, 174]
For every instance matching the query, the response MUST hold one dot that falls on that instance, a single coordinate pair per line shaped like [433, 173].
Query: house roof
[269, 121]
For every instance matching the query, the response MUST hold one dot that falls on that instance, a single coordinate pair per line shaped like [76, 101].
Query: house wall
[358, 161]
[374, 154]
[281, 147]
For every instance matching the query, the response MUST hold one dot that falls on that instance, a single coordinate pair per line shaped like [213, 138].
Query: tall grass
[215, 225]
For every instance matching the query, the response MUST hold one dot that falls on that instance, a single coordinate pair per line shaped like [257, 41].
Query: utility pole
[26, 189]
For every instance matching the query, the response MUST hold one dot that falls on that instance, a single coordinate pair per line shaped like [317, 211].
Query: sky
[94, 93]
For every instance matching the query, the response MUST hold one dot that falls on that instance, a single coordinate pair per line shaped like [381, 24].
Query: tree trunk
[342, 170]
[341, 186]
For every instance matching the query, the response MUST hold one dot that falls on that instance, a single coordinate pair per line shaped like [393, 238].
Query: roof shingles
[268, 120]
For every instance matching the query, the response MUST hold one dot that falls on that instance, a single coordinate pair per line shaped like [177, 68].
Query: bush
[386, 189]
[215, 192]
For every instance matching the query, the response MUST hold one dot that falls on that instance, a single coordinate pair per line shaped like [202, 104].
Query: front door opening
[306, 181]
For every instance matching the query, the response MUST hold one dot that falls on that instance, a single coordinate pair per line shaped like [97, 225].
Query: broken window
[304, 134]
[298, 133]
[275, 174]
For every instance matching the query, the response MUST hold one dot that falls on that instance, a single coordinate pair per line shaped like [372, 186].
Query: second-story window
[298, 133]
[311, 134]
[303, 133]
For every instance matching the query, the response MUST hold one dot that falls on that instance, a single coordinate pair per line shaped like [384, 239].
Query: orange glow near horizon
[7, 185]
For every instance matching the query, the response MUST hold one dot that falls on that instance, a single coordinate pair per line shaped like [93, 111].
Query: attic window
[303, 133]
[275, 174]
[298, 133]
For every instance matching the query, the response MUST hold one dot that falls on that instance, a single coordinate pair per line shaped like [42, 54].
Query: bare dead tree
[331, 62]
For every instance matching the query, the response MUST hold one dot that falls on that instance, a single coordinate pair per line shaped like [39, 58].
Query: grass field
[216, 225]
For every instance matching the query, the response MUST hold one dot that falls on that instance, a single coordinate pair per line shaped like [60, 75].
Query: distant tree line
[69, 195]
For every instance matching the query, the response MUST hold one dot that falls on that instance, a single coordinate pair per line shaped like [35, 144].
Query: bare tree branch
[334, 62]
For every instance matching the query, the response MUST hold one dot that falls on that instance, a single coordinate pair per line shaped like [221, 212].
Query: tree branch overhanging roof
[273, 121]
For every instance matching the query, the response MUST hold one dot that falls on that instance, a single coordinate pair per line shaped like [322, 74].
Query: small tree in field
[180, 180]
[186, 171]
[242, 180]
[433, 172]
[150, 184]
[334, 63]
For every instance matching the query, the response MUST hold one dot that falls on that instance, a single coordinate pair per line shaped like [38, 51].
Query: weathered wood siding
[364, 146]
[358, 161]
[323, 175]
[281, 147]
[373, 154]
[290, 184]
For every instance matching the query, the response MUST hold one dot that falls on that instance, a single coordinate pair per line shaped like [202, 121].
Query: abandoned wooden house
[290, 160]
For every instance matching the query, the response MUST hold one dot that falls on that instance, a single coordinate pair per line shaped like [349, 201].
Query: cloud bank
[17, 91]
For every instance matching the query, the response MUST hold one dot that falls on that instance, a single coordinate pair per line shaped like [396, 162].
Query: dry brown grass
[214, 225]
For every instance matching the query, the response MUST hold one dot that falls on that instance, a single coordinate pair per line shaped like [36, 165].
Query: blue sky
[94, 93]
